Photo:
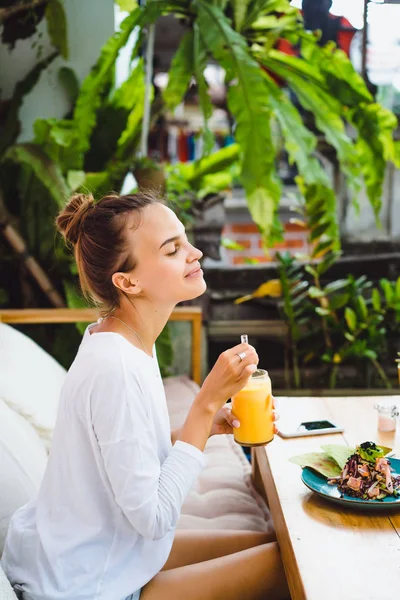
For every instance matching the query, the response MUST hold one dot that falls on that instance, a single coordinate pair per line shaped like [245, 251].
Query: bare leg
[253, 574]
[194, 545]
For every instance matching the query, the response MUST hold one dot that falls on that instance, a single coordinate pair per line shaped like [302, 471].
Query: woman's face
[167, 266]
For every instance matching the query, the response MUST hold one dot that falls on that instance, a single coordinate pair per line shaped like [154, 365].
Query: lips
[195, 271]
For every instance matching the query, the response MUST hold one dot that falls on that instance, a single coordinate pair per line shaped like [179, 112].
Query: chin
[195, 291]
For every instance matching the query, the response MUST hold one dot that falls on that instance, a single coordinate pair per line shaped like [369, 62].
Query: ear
[126, 283]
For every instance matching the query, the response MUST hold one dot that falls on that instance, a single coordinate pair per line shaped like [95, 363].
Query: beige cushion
[223, 497]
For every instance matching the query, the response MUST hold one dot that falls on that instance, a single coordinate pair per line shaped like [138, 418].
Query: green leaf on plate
[338, 453]
[319, 461]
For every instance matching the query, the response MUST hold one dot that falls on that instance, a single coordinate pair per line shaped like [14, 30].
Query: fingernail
[235, 423]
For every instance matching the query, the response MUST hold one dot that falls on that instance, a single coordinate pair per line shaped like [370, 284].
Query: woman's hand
[228, 376]
[225, 421]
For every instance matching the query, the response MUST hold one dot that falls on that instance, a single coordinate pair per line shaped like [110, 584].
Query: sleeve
[149, 493]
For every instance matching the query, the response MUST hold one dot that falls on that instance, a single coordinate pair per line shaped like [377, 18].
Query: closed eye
[177, 248]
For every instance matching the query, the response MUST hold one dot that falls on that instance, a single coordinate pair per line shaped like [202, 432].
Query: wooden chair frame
[89, 315]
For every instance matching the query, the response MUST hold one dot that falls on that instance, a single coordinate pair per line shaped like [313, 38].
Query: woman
[103, 524]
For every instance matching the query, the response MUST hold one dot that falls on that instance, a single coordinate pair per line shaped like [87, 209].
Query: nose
[194, 253]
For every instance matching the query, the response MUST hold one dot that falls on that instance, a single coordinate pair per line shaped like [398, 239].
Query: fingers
[247, 354]
[275, 415]
[246, 373]
[230, 418]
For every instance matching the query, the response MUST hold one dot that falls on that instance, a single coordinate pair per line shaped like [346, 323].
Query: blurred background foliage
[96, 145]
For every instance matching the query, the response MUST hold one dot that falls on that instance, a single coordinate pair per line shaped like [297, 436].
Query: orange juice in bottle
[253, 408]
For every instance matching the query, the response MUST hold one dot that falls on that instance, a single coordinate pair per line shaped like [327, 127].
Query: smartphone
[310, 428]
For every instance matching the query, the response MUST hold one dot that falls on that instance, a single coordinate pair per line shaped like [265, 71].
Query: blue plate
[319, 484]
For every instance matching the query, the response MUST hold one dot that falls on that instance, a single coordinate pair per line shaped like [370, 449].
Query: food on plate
[367, 474]
[363, 472]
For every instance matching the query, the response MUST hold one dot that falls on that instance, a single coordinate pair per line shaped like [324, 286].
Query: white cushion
[30, 379]
[223, 497]
[6, 592]
[23, 460]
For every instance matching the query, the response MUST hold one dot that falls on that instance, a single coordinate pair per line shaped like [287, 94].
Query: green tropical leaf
[125, 96]
[120, 163]
[322, 248]
[300, 143]
[319, 231]
[298, 301]
[98, 184]
[247, 100]
[351, 318]
[323, 312]
[298, 286]
[180, 72]
[259, 8]
[315, 292]
[387, 290]
[45, 169]
[340, 76]
[89, 98]
[70, 83]
[311, 270]
[127, 5]
[309, 86]
[362, 309]
[200, 60]
[57, 26]
[232, 245]
[239, 12]
[335, 286]
[133, 126]
[327, 262]
[59, 139]
[376, 300]
[217, 162]
[375, 146]
[75, 179]
[397, 288]
[338, 301]
[320, 200]
[214, 183]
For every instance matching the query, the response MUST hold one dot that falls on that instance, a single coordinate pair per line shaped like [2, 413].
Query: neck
[146, 319]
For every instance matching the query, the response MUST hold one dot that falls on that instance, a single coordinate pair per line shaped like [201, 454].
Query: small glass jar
[387, 416]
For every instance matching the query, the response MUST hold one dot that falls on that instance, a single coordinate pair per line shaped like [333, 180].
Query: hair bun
[70, 220]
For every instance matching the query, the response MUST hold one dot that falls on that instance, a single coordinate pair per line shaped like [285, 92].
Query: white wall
[90, 23]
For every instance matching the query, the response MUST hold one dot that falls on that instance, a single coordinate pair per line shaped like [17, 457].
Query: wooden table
[329, 552]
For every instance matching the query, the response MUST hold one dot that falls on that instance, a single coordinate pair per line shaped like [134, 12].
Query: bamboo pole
[19, 246]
